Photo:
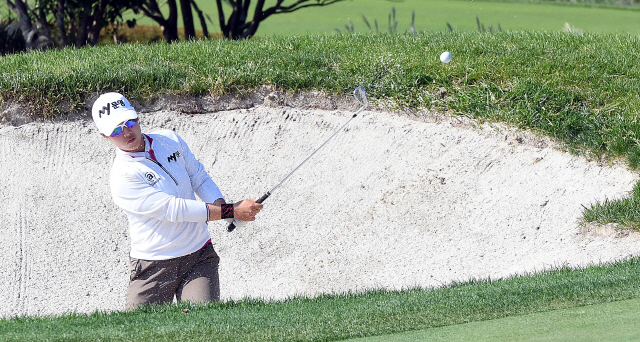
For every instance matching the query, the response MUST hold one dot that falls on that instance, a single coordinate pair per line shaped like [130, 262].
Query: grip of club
[232, 226]
[264, 197]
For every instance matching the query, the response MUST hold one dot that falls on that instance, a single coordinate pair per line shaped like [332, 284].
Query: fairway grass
[609, 322]
[430, 16]
[433, 16]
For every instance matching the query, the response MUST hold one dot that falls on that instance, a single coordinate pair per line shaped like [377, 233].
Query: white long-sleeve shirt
[155, 188]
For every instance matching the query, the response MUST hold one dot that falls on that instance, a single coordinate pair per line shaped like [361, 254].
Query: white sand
[392, 202]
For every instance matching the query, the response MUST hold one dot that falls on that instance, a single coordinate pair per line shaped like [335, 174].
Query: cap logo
[103, 110]
[107, 109]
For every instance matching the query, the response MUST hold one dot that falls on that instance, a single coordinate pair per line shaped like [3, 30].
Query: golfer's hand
[246, 210]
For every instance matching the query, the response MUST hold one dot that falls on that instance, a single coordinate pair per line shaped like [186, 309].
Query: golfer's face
[130, 140]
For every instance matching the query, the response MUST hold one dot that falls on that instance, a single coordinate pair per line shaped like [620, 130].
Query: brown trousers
[193, 278]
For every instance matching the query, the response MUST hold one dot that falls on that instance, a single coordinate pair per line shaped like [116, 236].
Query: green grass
[433, 15]
[338, 317]
[625, 212]
[610, 322]
[605, 16]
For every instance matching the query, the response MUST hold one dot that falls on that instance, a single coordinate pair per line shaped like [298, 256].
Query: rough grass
[337, 317]
[580, 89]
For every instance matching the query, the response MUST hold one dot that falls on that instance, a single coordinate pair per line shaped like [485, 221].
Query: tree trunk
[29, 32]
[237, 26]
[187, 19]
[170, 31]
[60, 22]
[203, 22]
[81, 37]
[237, 20]
[44, 39]
[170, 25]
[221, 19]
[97, 23]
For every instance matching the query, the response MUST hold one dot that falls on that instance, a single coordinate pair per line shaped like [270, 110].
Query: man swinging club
[154, 179]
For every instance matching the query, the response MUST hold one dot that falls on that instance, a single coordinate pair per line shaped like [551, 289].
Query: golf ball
[445, 57]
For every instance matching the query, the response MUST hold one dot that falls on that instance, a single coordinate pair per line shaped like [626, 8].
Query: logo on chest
[151, 178]
[174, 157]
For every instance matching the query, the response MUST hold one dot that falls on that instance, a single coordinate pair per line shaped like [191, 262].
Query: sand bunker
[392, 202]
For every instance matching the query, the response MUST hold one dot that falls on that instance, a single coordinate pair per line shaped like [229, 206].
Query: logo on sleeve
[174, 156]
[151, 178]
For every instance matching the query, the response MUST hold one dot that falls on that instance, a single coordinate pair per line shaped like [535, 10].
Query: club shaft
[268, 193]
[314, 151]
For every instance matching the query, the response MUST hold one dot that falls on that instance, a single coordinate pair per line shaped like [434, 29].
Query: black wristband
[226, 211]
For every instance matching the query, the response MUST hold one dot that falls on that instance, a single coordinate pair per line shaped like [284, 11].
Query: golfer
[153, 179]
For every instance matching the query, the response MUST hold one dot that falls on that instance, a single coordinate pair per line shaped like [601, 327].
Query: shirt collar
[148, 150]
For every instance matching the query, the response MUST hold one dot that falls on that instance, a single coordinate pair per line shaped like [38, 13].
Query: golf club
[360, 95]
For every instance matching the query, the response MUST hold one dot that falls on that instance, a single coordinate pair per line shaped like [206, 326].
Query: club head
[361, 96]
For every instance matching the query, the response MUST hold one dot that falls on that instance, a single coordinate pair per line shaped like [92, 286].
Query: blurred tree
[169, 25]
[187, 19]
[77, 22]
[60, 23]
[10, 41]
[236, 25]
[29, 23]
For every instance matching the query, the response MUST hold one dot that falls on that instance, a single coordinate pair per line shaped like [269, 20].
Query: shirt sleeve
[131, 193]
[201, 183]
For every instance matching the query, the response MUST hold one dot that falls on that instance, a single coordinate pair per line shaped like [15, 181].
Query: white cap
[110, 110]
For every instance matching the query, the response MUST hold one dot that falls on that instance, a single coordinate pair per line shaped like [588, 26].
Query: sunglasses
[118, 130]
